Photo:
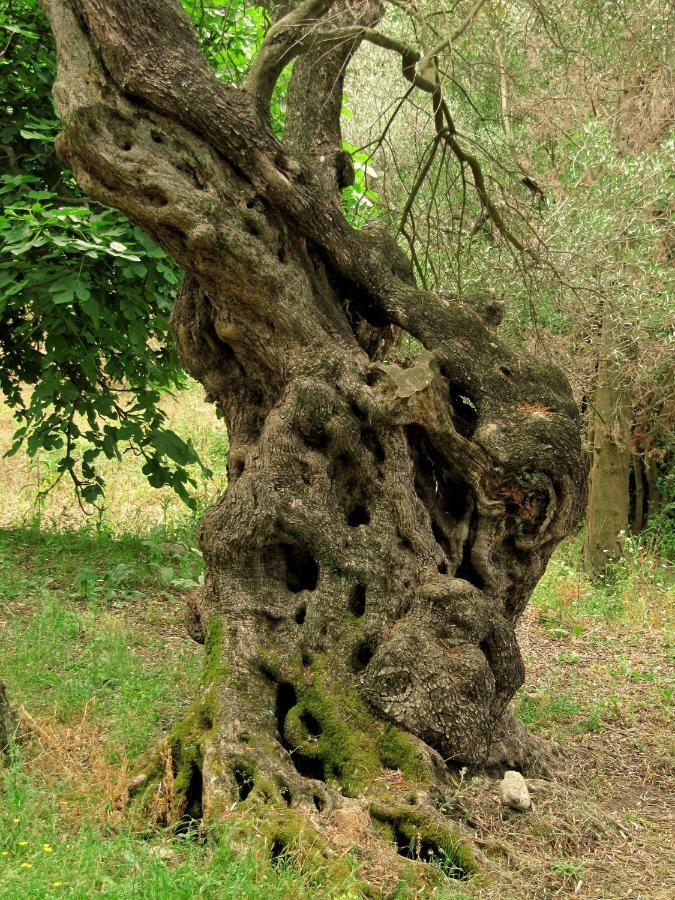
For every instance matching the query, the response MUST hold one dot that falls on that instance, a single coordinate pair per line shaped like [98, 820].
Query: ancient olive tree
[386, 519]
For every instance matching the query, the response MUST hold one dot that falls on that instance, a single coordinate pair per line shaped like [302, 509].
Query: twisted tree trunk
[385, 521]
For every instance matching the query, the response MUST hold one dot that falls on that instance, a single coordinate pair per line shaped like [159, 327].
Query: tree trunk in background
[639, 504]
[7, 725]
[653, 492]
[385, 521]
[608, 504]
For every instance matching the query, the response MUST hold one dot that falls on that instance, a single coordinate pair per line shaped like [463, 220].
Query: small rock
[513, 791]
[135, 784]
[159, 852]
[173, 549]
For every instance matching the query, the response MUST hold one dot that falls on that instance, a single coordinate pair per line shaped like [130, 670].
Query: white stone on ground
[513, 791]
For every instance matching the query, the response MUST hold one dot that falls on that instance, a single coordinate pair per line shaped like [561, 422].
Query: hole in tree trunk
[357, 601]
[301, 614]
[311, 724]
[363, 653]
[404, 542]
[372, 442]
[358, 515]
[466, 569]
[307, 766]
[244, 781]
[447, 499]
[317, 439]
[278, 850]
[443, 567]
[465, 410]
[412, 843]
[426, 851]
[286, 700]
[193, 802]
[302, 570]
[155, 197]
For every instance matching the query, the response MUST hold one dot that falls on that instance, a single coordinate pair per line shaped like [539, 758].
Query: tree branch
[316, 91]
[457, 33]
[285, 40]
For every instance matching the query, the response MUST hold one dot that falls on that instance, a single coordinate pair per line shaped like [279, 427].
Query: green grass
[91, 631]
[65, 642]
[39, 859]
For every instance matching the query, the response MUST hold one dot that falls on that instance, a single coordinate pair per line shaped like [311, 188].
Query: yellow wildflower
[16, 821]
[23, 843]
[26, 865]
[5, 853]
[57, 884]
[47, 848]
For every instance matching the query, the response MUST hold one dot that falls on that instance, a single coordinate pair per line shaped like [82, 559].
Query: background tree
[572, 124]
[386, 519]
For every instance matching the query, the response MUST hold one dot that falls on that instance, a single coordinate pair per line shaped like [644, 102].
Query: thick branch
[285, 40]
[314, 104]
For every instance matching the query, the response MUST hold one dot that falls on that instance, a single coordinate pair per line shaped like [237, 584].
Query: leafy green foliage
[85, 345]
[360, 201]
[230, 32]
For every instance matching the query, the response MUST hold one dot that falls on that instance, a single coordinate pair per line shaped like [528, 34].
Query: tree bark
[654, 498]
[638, 510]
[607, 511]
[385, 520]
[7, 726]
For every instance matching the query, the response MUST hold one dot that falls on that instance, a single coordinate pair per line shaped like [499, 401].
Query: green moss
[331, 725]
[187, 737]
[421, 831]
[397, 751]
[289, 839]
[215, 672]
[343, 744]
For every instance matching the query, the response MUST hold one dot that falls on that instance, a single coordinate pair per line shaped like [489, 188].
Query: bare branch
[444, 124]
[457, 33]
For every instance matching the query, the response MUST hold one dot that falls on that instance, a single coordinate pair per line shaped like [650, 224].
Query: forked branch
[284, 41]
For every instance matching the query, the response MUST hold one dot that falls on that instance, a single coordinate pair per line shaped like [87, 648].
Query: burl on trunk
[386, 519]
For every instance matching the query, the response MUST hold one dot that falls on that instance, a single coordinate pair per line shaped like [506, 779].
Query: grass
[95, 656]
[100, 666]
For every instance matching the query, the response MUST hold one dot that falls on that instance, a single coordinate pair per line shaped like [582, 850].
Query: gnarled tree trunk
[386, 520]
